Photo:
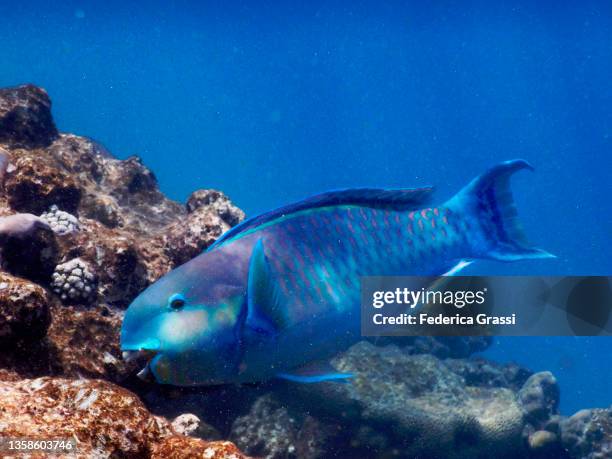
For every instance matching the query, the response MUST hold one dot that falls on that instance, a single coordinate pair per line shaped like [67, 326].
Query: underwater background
[274, 101]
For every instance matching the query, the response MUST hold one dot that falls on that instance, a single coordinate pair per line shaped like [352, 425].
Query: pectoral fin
[265, 313]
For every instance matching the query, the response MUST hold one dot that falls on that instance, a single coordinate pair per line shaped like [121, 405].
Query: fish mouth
[141, 359]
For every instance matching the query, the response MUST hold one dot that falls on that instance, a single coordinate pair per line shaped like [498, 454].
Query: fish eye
[176, 301]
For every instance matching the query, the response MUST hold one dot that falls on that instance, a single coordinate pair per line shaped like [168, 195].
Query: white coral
[73, 281]
[60, 222]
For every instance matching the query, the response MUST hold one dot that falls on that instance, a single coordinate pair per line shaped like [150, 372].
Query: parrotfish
[282, 290]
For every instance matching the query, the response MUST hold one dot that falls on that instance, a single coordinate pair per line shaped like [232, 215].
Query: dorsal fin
[396, 199]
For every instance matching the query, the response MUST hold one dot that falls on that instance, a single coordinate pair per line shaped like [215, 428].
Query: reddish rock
[124, 263]
[85, 341]
[180, 447]
[118, 193]
[104, 419]
[188, 237]
[24, 311]
[25, 117]
[35, 185]
[216, 201]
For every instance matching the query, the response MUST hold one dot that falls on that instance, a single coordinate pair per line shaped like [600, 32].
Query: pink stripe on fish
[308, 252]
[330, 290]
[304, 277]
[386, 217]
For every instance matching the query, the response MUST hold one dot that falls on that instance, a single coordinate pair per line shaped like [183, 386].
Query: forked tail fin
[487, 203]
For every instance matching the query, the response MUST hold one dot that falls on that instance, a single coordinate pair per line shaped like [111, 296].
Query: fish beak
[146, 374]
[144, 357]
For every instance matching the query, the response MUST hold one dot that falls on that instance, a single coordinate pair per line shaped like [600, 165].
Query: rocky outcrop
[25, 117]
[104, 419]
[35, 185]
[444, 347]
[187, 237]
[539, 397]
[24, 311]
[81, 234]
[180, 447]
[402, 405]
[415, 405]
[588, 434]
[480, 372]
[270, 431]
[217, 201]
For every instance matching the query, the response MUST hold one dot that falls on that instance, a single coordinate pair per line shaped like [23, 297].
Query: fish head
[184, 325]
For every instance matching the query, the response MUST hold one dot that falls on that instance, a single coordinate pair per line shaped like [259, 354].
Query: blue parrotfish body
[282, 290]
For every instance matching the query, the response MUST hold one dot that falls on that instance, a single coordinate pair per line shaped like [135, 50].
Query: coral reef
[415, 404]
[539, 397]
[60, 222]
[269, 430]
[74, 281]
[588, 434]
[484, 373]
[82, 233]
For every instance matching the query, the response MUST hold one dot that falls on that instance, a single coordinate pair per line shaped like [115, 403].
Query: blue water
[270, 102]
